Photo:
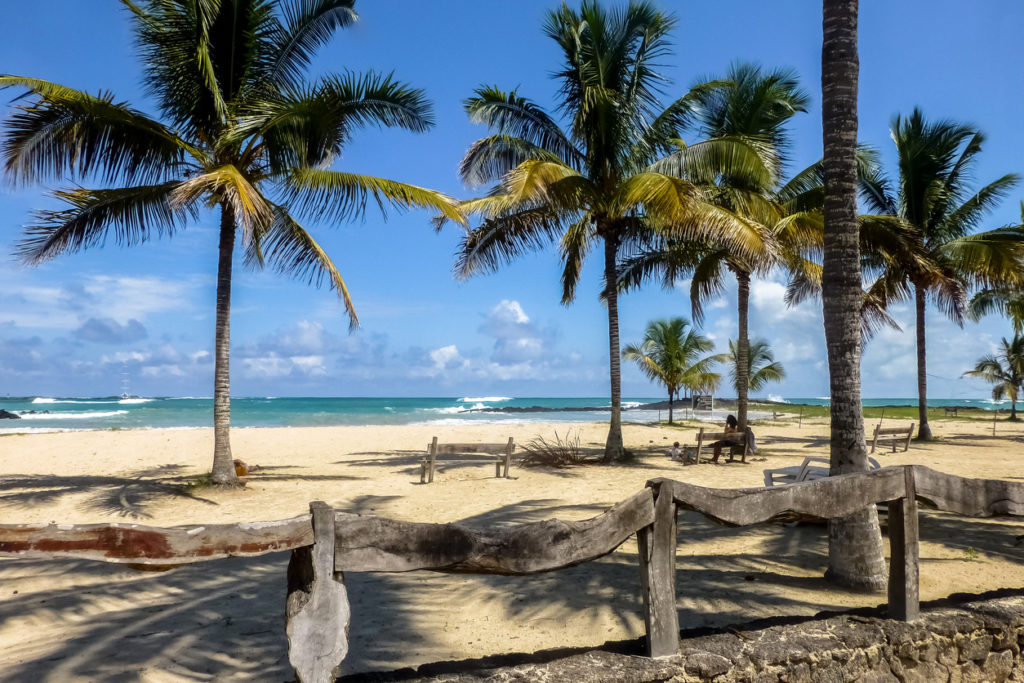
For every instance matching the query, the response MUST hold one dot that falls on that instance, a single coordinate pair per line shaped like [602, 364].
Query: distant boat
[124, 381]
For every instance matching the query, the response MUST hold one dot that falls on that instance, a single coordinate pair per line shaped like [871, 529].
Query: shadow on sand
[127, 495]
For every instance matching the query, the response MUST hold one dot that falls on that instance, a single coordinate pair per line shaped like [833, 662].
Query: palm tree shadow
[127, 495]
[207, 621]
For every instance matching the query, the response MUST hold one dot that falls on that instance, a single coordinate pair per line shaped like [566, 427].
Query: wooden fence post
[904, 602]
[657, 550]
[317, 612]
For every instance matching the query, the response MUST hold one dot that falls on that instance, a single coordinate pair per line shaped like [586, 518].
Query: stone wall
[973, 641]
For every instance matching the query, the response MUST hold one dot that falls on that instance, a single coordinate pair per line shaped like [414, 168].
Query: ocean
[46, 414]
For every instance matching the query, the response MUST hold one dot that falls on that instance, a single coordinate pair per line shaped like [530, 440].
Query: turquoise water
[41, 414]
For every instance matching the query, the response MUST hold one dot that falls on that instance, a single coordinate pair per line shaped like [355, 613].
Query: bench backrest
[893, 430]
[895, 435]
[491, 448]
[499, 453]
[738, 439]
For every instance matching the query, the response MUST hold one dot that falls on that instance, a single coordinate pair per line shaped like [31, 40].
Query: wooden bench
[893, 435]
[498, 453]
[951, 410]
[804, 472]
[738, 441]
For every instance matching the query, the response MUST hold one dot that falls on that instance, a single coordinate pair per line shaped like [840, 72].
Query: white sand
[77, 620]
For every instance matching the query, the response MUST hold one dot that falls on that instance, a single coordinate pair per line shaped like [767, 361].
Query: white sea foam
[631, 404]
[776, 398]
[49, 401]
[84, 415]
[455, 410]
[484, 399]
[131, 401]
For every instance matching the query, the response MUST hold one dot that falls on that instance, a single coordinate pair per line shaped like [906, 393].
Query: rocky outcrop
[975, 641]
[6, 415]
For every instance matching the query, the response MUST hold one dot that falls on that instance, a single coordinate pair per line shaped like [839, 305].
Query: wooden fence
[326, 543]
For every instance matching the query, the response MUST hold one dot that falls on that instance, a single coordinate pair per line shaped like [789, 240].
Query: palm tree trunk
[854, 542]
[742, 348]
[223, 464]
[924, 430]
[613, 449]
[670, 406]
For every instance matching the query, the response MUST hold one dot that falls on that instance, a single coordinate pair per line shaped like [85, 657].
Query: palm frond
[307, 26]
[293, 251]
[1003, 301]
[131, 215]
[707, 282]
[734, 161]
[491, 158]
[502, 239]
[576, 243]
[965, 218]
[679, 209]
[334, 195]
[517, 117]
[64, 132]
[988, 258]
[309, 126]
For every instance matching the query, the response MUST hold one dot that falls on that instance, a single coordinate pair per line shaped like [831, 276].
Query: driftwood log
[968, 497]
[138, 544]
[376, 544]
[657, 550]
[317, 611]
[819, 499]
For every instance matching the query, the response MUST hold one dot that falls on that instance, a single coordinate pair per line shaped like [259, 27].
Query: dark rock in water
[5, 415]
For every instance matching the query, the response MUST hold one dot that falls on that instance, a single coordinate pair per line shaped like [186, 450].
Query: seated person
[679, 454]
[732, 437]
[675, 452]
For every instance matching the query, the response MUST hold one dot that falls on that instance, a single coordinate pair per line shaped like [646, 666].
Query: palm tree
[749, 106]
[935, 161]
[669, 355]
[855, 542]
[592, 185]
[761, 367]
[242, 133]
[1005, 371]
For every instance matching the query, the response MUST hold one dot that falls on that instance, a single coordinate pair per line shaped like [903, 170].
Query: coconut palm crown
[241, 132]
[762, 367]
[932, 195]
[1004, 370]
[670, 355]
[592, 184]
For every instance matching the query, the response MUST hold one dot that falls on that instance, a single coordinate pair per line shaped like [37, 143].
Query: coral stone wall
[975, 641]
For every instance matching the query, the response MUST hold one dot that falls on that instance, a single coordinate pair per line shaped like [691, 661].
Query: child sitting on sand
[675, 453]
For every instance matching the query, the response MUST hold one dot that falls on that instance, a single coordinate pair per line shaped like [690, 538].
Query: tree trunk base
[228, 485]
[855, 553]
[857, 583]
[924, 432]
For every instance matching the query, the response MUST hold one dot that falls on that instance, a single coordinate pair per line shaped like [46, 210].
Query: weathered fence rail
[326, 543]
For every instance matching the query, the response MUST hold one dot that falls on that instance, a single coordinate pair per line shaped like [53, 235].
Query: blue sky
[68, 326]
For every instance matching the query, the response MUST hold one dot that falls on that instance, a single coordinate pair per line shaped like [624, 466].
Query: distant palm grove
[660, 185]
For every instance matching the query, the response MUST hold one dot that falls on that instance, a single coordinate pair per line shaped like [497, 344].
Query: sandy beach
[224, 620]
